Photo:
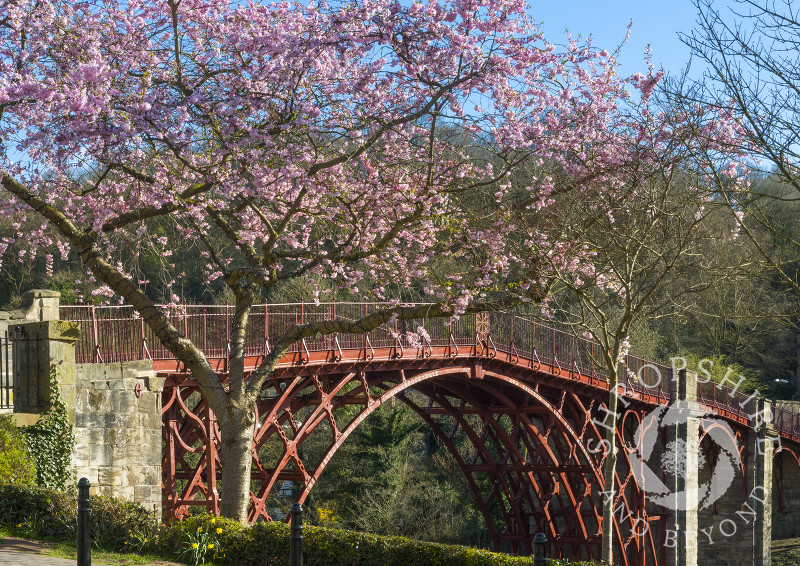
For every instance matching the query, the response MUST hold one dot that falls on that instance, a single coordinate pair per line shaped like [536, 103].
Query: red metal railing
[730, 402]
[786, 421]
[118, 333]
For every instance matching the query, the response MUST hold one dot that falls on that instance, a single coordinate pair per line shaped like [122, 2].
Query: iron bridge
[518, 404]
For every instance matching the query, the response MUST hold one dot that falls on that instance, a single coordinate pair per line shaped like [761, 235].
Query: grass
[68, 550]
[786, 552]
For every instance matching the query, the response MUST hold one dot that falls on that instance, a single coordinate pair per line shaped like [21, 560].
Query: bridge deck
[117, 333]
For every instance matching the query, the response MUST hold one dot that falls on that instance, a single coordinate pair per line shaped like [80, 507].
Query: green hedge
[116, 525]
[267, 544]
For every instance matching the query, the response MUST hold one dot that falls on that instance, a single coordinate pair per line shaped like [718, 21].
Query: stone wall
[115, 408]
[118, 430]
[37, 305]
[734, 530]
[42, 347]
[786, 497]
[737, 529]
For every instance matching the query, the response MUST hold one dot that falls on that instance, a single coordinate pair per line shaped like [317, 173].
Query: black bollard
[296, 540]
[83, 542]
[540, 550]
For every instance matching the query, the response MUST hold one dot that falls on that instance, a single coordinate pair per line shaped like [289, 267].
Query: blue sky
[655, 22]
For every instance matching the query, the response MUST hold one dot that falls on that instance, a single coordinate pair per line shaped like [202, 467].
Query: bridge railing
[786, 421]
[117, 333]
[727, 400]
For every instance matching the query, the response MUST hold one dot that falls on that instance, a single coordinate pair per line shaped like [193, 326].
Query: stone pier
[118, 431]
[686, 434]
[722, 501]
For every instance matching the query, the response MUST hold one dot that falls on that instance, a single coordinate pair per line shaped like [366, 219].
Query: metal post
[83, 543]
[98, 358]
[797, 375]
[296, 541]
[266, 329]
[16, 365]
[540, 550]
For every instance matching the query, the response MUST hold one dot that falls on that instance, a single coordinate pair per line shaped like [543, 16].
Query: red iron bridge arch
[525, 400]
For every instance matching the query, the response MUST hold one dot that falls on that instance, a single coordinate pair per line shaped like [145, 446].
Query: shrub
[115, 523]
[38, 512]
[16, 465]
[268, 543]
[203, 537]
[46, 513]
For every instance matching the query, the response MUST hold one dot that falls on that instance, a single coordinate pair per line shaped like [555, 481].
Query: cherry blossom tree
[351, 142]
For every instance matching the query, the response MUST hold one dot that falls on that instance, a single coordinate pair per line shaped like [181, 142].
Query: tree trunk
[609, 486]
[236, 430]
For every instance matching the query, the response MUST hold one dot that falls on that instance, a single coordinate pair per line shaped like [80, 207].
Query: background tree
[292, 144]
[743, 315]
[394, 477]
[649, 239]
[748, 50]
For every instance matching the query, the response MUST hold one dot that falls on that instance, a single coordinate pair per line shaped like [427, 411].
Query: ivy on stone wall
[51, 442]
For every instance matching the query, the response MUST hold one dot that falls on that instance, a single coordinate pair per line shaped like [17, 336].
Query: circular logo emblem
[662, 468]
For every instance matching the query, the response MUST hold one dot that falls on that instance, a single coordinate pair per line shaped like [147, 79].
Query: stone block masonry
[37, 305]
[735, 528]
[118, 430]
[115, 408]
[786, 492]
[42, 347]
